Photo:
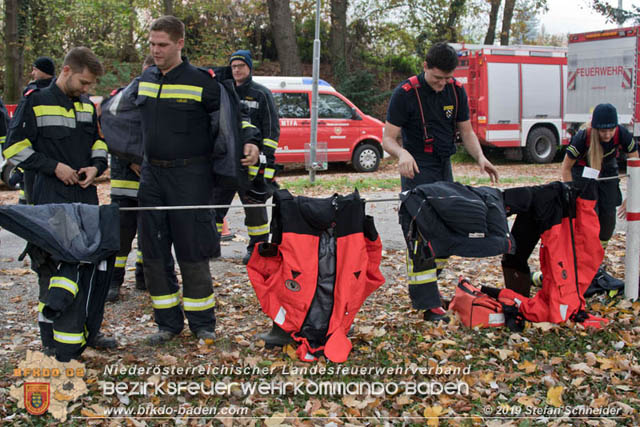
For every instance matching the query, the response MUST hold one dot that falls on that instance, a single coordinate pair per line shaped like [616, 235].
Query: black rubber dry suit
[82, 241]
[444, 219]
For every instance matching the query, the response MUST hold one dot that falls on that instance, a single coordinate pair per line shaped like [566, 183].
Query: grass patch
[346, 185]
[341, 185]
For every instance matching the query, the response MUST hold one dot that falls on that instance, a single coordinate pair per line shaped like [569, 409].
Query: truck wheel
[366, 158]
[541, 146]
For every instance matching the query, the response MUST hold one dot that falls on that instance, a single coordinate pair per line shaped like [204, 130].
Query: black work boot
[114, 292]
[159, 338]
[247, 256]
[102, 342]
[435, 315]
[204, 334]
[276, 337]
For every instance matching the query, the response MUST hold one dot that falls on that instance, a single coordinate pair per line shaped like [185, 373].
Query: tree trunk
[284, 37]
[493, 19]
[167, 7]
[338, 35]
[456, 10]
[507, 16]
[14, 29]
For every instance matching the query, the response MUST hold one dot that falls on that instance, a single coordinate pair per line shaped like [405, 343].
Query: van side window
[292, 105]
[332, 107]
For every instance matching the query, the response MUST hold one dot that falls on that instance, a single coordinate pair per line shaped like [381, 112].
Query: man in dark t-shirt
[424, 113]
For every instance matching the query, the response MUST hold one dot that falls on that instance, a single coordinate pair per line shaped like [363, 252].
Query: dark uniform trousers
[193, 241]
[51, 190]
[423, 267]
[72, 290]
[256, 219]
[124, 192]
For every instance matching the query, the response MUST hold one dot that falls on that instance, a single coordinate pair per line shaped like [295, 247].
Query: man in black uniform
[262, 111]
[125, 181]
[54, 133]
[42, 74]
[425, 114]
[175, 100]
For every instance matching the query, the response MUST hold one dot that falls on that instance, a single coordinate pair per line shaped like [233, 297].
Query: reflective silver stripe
[68, 122]
[198, 304]
[258, 230]
[2, 139]
[126, 192]
[98, 153]
[269, 173]
[22, 155]
[165, 301]
[419, 279]
[121, 262]
[270, 143]
[139, 257]
[573, 150]
[82, 116]
[68, 338]
[64, 283]
[192, 93]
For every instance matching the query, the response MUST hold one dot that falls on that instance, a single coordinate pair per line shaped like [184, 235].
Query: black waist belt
[179, 162]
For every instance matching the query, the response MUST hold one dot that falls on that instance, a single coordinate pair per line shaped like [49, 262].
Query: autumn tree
[15, 31]
[493, 19]
[338, 34]
[284, 37]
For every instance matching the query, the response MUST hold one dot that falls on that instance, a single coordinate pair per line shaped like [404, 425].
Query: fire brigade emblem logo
[36, 398]
[292, 285]
[448, 111]
[338, 130]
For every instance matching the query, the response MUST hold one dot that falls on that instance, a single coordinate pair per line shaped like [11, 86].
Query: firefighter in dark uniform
[125, 181]
[597, 147]
[262, 111]
[175, 100]
[54, 133]
[424, 154]
[42, 73]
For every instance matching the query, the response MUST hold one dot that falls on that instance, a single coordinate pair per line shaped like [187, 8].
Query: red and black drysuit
[322, 264]
[565, 220]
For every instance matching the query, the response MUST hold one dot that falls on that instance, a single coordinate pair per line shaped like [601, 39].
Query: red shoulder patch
[457, 83]
[29, 92]
[406, 87]
[113, 92]
[212, 73]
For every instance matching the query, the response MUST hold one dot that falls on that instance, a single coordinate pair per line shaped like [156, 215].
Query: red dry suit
[570, 253]
[322, 264]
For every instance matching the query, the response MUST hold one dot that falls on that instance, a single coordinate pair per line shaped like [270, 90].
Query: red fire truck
[516, 97]
[603, 67]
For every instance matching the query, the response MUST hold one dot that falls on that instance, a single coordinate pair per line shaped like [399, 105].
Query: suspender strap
[428, 141]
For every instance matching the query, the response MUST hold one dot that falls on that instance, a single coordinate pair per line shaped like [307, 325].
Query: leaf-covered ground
[401, 370]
